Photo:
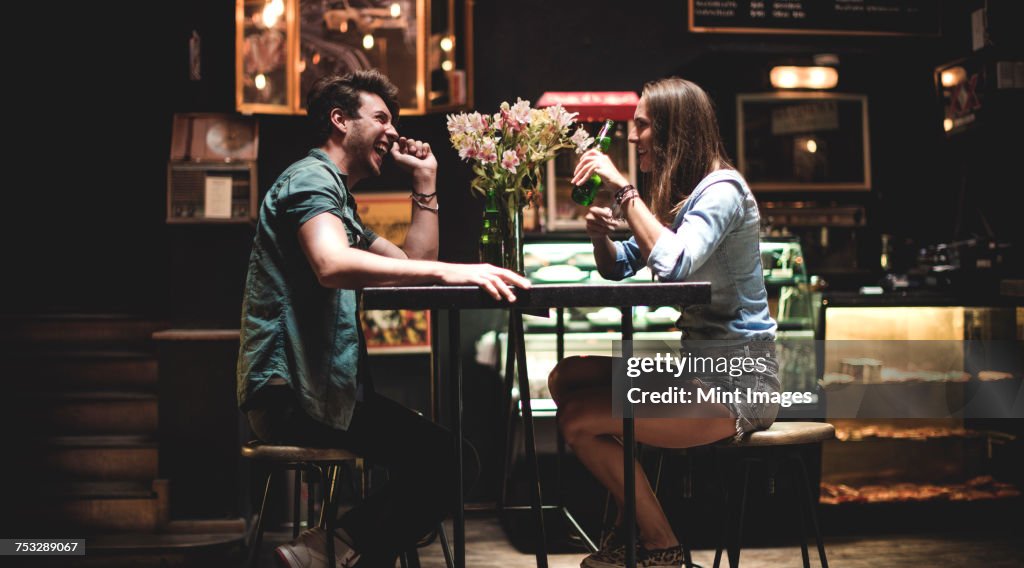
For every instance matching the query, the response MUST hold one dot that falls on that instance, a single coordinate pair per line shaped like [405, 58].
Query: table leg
[559, 439]
[455, 371]
[510, 413]
[629, 446]
[531, 448]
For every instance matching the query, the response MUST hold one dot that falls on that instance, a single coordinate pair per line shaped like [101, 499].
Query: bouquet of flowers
[508, 148]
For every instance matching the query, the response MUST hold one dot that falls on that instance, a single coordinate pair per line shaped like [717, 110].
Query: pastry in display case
[905, 387]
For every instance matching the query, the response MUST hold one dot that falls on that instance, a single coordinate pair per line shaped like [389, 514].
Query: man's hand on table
[495, 281]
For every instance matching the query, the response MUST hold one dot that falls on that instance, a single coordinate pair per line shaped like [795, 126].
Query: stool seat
[257, 450]
[787, 434]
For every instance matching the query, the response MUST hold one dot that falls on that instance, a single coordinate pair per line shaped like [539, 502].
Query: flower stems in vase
[491, 235]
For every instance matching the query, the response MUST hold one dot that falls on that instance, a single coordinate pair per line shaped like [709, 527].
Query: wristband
[422, 196]
[422, 205]
[627, 192]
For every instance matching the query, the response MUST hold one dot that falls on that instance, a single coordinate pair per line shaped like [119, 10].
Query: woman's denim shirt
[714, 239]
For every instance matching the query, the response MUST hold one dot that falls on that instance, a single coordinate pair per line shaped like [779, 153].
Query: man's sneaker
[309, 550]
[671, 557]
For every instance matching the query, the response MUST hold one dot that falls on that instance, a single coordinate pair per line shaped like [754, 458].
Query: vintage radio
[211, 174]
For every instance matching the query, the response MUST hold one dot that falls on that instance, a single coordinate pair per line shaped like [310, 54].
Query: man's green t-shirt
[292, 327]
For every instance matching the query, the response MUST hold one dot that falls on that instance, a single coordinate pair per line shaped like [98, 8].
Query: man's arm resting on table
[337, 265]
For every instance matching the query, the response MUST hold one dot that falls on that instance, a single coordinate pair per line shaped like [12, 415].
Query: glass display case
[792, 302]
[914, 370]
[588, 331]
[591, 331]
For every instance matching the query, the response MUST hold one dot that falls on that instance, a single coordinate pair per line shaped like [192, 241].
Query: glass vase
[512, 234]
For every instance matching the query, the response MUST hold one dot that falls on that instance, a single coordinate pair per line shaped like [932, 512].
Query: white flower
[520, 112]
[582, 140]
[467, 147]
[487, 151]
[560, 117]
[477, 123]
[509, 160]
[517, 139]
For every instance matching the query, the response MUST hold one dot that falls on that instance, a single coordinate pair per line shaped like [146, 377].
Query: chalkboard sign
[833, 17]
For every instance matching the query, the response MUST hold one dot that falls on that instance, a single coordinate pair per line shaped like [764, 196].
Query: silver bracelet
[422, 206]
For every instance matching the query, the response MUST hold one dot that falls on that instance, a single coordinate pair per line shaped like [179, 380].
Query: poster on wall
[392, 331]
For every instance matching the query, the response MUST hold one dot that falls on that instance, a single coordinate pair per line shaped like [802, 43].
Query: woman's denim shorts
[751, 415]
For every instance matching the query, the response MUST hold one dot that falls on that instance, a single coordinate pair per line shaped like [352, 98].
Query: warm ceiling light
[812, 146]
[447, 65]
[446, 44]
[272, 11]
[396, 10]
[368, 41]
[947, 124]
[953, 76]
[791, 77]
[260, 81]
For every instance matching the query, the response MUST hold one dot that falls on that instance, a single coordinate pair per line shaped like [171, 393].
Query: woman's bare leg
[589, 427]
[578, 373]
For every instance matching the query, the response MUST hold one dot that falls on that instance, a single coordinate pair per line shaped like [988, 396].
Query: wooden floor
[489, 548]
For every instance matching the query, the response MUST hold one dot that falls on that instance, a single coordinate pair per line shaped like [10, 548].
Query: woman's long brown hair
[686, 142]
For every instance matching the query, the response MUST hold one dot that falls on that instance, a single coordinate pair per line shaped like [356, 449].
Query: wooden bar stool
[777, 446]
[319, 464]
[783, 441]
[323, 464]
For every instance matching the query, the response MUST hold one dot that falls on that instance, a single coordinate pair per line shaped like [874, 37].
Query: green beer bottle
[490, 234]
[584, 194]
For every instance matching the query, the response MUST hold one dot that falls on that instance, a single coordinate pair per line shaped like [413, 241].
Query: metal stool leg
[296, 500]
[254, 546]
[798, 504]
[332, 516]
[733, 548]
[442, 534]
[310, 502]
[734, 552]
[812, 507]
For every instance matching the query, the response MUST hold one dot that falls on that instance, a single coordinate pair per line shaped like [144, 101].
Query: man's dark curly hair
[342, 92]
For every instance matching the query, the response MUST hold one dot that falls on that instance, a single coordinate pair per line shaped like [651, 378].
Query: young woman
[699, 222]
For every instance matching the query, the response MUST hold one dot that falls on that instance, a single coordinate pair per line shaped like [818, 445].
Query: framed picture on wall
[387, 213]
[392, 331]
[396, 331]
[796, 141]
